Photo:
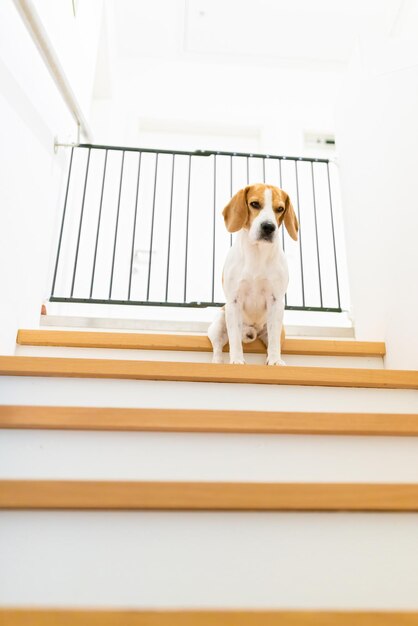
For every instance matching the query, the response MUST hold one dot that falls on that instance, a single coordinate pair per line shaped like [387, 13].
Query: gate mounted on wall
[145, 227]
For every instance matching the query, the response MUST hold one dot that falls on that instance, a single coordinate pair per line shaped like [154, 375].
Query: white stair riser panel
[172, 394]
[78, 317]
[206, 457]
[195, 357]
[194, 560]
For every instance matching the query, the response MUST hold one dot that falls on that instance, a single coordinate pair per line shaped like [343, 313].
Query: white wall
[75, 40]
[31, 175]
[377, 135]
[266, 111]
[377, 132]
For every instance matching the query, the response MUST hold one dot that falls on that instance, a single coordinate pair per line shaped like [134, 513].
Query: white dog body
[255, 275]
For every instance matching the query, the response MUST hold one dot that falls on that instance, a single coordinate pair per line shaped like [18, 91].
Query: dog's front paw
[236, 361]
[217, 359]
[274, 360]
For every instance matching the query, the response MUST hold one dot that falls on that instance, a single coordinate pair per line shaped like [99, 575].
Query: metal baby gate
[144, 227]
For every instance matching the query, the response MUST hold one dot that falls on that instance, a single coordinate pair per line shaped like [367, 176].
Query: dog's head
[261, 209]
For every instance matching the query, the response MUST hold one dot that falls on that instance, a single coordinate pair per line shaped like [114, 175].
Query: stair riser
[196, 357]
[302, 560]
[167, 319]
[202, 457]
[162, 394]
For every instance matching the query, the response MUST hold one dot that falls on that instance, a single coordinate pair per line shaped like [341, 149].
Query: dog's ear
[236, 211]
[290, 220]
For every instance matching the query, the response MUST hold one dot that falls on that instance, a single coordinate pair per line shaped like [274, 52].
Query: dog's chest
[255, 294]
[256, 278]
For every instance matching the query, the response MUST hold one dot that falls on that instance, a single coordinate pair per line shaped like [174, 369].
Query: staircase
[187, 493]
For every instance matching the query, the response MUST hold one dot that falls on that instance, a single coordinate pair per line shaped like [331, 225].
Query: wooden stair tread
[201, 420]
[206, 496]
[137, 617]
[194, 343]
[207, 372]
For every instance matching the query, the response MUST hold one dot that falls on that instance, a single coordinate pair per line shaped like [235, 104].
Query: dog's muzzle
[267, 230]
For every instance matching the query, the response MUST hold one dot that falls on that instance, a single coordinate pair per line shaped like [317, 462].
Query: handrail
[36, 30]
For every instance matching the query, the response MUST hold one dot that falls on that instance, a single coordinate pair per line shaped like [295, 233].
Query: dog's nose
[267, 228]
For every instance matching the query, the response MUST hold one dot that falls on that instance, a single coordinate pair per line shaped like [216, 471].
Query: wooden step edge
[194, 343]
[206, 496]
[137, 617]
[207, 372]
[207, 421]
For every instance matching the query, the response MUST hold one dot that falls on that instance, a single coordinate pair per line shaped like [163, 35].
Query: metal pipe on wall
[35, 28]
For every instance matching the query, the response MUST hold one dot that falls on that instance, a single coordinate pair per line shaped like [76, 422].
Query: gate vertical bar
[152, 225]
[231, 177]
[98, 226]
[62, 223]
[300, 234]
[316, 235]
[80, 224]
[169, 227]
[333, 237]
[187, 228]
[214, 229]
[134, 225]
[283, 243]
[116, 226]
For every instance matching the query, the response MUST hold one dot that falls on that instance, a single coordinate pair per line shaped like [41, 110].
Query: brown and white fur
[255, 276]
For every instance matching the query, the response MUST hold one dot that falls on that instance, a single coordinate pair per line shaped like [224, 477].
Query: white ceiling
[304, 32]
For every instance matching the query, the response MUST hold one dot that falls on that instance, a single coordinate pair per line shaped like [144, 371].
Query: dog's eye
[279, 209]
[255, 205]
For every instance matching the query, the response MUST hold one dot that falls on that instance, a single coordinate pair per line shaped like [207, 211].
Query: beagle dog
[255, 276]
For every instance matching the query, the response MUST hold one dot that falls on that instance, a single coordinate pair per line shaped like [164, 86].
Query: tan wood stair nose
[142, 617]
[206, 496]
[193, 343]
[207, 372]
[207, 421]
